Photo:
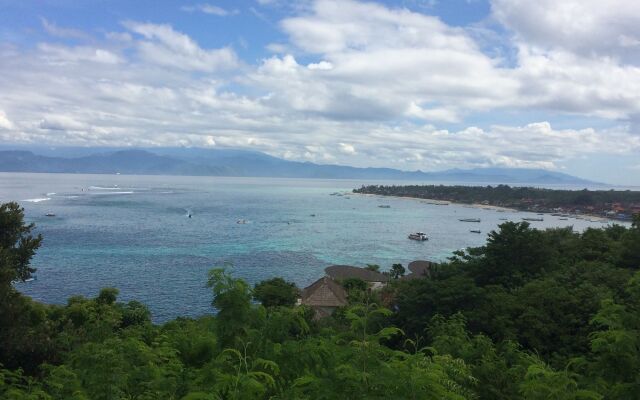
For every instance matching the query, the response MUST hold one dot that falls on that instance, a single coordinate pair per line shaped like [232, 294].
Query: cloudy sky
[415, 84]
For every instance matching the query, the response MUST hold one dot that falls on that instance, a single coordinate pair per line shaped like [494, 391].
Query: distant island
[615, 204]
[243, 163]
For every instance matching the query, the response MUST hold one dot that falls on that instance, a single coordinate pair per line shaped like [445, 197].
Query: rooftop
[347, 271]
[419, 269]
[324, 293]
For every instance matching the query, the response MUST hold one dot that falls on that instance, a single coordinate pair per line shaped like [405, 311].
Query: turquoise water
[133, 233]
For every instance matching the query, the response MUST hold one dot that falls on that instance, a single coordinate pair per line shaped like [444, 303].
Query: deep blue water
[133, 233]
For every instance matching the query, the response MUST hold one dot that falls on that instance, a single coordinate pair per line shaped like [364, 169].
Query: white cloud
[389, 61]
[167, 47]
[62, 123]
[322, 65]
[586, 27]
[346, 148]
[5, 123]
[576, 56]
[210, 9]
[63, 54]
[352, 83]
[67, 33]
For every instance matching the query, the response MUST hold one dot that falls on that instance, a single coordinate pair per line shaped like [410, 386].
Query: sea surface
[134, 233]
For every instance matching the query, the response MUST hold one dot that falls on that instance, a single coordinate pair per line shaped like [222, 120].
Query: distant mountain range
[229, 162]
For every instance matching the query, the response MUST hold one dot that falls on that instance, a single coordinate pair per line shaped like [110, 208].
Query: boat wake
[37, 200]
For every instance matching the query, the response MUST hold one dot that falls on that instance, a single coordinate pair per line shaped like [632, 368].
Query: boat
[312, 215]
[469, 220]
[533, 219]
[475, 231]
[241, 221]
[504, 219]
[384, 206]
[419, 236]
[563, 219]
[49, 215]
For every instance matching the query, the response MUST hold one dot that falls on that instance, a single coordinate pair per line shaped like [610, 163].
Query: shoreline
[587, 217]
[435, 202]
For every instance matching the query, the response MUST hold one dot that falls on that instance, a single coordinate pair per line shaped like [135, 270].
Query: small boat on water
[241, 221]
[469, 220]
[419, 236]
[475, 231]
[384, 206]
[533, 219]
[503, 219]
[30, 279]
[49, 215]
[563, 219]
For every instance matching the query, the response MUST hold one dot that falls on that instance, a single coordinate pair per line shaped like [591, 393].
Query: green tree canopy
[276, 292]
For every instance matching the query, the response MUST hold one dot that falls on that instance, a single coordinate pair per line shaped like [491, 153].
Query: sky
[415, 84]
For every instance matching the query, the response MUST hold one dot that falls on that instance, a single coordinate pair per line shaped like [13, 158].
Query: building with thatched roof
[342, 272]
[419, 269]
[324, 296]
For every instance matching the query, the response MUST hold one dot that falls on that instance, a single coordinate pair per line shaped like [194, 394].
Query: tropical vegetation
[530, 315]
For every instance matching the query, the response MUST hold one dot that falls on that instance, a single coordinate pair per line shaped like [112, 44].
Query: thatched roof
[347, 271]
[324, 293]
[419, 269]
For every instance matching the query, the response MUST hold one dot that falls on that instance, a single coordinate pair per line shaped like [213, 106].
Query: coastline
[594, 218]
[441, 202]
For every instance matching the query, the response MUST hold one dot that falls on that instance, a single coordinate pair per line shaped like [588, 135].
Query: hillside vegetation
[531, 315]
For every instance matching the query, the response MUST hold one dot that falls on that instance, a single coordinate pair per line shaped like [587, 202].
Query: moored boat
[419, 236]
[469, 220]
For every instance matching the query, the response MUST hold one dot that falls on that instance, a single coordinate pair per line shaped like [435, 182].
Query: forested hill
[620, 204]
[530, 315]
[232, 162]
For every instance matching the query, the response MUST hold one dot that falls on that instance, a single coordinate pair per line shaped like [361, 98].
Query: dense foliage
[523, 198]
[531, 315]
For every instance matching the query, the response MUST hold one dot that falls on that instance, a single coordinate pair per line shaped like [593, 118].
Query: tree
[513, 255]
[373, 267]
[23, 330]
[17, 245]
[276, 292]
[397, 270]
[232, 298]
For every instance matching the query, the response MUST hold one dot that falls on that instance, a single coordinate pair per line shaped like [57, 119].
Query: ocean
[134, 233]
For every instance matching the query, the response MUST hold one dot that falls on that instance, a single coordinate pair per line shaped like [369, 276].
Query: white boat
[384, 206]
[241, 221]
[419, 236]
